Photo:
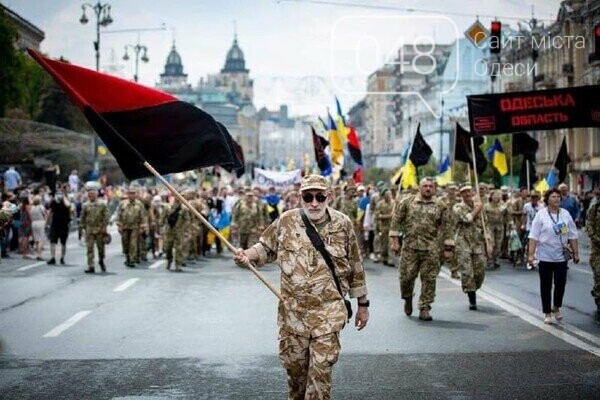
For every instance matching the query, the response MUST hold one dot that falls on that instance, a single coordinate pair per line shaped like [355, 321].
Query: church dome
[235, 59]
[173, 66]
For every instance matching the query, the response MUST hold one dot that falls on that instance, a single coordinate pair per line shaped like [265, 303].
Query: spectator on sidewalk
[37, 213]
[59, 219]
[12, 179]
[74, 181]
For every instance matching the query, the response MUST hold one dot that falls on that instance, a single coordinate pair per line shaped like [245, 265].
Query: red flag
[354, 146]
[138, 123]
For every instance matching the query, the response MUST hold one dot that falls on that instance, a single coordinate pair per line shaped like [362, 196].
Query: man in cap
[450, 198]
[496, 216]
[423, 222]
[314, 312]
[131, 221]
[247, 218]
[470, 244]
[93, 221]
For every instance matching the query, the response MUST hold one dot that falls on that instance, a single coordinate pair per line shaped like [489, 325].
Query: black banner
[493, 114]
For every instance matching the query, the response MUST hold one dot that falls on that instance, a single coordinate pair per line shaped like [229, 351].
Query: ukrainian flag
[335, 142]
[498, 158]
[542, 186]
[444, 175]
[409, 175]
[342, 128]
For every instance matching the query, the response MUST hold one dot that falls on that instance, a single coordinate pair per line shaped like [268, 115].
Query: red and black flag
[320, 143]
[236, 150]
[139, 124]
[354, 146]
[462, 149]
[524, 144]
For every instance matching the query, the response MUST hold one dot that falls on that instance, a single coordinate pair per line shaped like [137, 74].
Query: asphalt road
[210, 333]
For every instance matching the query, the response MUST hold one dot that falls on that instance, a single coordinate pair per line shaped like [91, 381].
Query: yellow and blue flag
[444, 175]
[498, 158]
[336, 143]
[342, 127]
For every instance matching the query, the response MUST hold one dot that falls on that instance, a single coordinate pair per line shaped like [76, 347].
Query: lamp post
[137, 49]
[103, 18]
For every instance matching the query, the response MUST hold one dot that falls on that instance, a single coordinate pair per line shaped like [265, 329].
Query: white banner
[266, 179]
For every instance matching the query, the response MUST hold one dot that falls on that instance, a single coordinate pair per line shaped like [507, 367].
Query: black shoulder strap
[316, 240]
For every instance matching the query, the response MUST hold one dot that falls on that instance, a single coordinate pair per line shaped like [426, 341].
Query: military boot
[424, 315]
[169, 262]
[472, 300]
[90, 270]
[102, 266]
[408, 308]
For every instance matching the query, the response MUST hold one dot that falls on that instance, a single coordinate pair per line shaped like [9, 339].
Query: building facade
[28, 35]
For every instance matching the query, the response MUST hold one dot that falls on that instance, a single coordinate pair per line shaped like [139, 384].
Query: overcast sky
[298, 52]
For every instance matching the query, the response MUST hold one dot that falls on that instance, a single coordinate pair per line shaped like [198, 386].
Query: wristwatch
[367, 304]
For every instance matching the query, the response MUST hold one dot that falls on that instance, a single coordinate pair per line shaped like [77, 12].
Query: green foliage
[10, 64]
[375, 174]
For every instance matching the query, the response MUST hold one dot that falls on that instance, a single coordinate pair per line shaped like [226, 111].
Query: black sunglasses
[308, 197]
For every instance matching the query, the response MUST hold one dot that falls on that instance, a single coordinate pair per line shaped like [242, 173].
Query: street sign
[477, 33]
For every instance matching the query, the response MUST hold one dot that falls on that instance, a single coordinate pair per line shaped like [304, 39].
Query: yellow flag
[409, 177]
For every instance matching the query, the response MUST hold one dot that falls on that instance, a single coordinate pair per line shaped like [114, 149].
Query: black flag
[462, 150]
[420, 151]
[524, 144]
[562, 161]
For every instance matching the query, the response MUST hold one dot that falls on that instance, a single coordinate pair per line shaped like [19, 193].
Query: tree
[10, 64]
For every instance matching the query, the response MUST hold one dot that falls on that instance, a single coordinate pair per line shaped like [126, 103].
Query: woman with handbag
[553, 242]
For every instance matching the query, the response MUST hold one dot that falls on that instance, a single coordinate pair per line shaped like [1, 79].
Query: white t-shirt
[552, 232]
[530, 211]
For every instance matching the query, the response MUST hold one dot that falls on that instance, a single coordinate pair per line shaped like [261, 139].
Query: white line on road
[534, 320]
[67, 324]
[26, 267]
[585, 271]
[126, 284]
[156, 264]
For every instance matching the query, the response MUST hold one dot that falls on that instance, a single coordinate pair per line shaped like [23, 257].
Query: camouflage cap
[452, 185]
[534, 193]
[465, 188]
[314, 182]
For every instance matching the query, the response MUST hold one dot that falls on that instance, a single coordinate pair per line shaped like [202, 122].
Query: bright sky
[298, 52]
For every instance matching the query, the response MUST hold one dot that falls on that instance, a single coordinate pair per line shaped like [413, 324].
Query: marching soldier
[93, 221]
[593, 230]
[450, 199]
[131, 221]
[383, 217]
[470, 244]
[496, 216]
[247, 218]
[177, 219]
[423, 221]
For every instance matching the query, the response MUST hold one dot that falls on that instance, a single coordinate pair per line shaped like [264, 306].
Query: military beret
[314, 182]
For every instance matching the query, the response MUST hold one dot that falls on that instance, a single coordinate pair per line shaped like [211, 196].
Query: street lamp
[103, 18]
[137, 49]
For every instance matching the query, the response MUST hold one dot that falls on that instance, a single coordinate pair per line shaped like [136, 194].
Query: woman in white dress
[38, 214]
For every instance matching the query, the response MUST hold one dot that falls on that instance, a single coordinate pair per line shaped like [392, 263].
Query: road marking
[584, 271]
[67, 324]
[156, 264]
[521, 310]
[126, 284]
[26, 267]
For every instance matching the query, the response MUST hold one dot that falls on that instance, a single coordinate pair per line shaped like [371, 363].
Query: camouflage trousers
[248, 239]
[384, 239]
[130, 238]
[419, 262]
[454, 263]
[174, 241]
[497, 234]
[90, 240]
[309, 364]
[472, 269]
[192, 246]
[595, 264]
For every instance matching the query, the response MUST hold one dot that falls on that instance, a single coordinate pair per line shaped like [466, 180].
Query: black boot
[90, 270]
[51, 261]
[102, 266]
[472, 300]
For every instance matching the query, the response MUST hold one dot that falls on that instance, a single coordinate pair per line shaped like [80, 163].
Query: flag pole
[511, 162]
[488, 244]
[528, 177]
[210, 227]
[453, 153]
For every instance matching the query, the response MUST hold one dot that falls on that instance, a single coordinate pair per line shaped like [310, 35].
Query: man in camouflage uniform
[142, 248]
[470, 244]
[247, 218]
[450, 198]
[593, 229]
[423, 221]
[196, 227]
[496, 217]
[93, 221]
[383, 216]
[176, 225]
[131, 221]
[313, 314]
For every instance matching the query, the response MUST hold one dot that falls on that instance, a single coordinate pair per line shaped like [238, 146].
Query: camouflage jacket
[183, 220]
[496, 214]
[94, 217]
[248, 218]
[131, 215]
[383, 208]
[592, 224]
[423, 223]
[314, 305]
[469, 231]
[349, 207]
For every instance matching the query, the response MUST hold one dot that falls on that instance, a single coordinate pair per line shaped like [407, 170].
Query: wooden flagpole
[211, 228]
[488, 243]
